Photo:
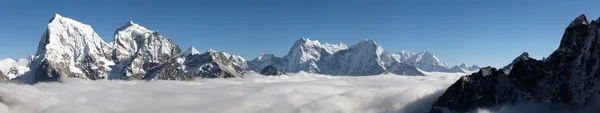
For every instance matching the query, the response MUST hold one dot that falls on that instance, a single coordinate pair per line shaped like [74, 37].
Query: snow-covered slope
[305, 53]
[12, 68]
[191, 51]
[238, 61]
[360, 59]
[213, 64]
[145, 54]
[69, 48]
[427, 62]
[73, 50]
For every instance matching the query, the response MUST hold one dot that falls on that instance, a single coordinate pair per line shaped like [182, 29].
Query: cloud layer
[295, 93]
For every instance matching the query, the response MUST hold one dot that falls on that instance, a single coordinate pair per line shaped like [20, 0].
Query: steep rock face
[569, 76]
[144, 54]
[212, 64]
[69, 49]
[488, 87]
[3, 77]
[271, 71]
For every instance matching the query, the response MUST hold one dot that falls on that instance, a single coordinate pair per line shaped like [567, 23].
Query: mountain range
[69, 48]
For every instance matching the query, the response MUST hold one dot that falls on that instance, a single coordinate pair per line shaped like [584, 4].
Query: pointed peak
[191, 51]
[581, 20]
[134, 27]
[524, 54]
[55, 17]
[128, 24]
[302, 40]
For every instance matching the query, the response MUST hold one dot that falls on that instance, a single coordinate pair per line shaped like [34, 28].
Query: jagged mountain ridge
[332, 59]
[13, 68]
[568, 77]
[138, 53]
[72, 49]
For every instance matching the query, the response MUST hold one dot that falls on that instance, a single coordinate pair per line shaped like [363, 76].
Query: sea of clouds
[294, 93]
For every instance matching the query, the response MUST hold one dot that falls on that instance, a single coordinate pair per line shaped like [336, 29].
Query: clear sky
[484, 32]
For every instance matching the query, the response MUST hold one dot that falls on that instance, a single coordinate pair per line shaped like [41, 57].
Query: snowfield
[294, 93]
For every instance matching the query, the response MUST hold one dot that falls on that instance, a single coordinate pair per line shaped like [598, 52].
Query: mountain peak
[191, 51]
[305, 41]
[464, 65]
[369, 42]
[54, 17]
[302, 40]
[581, 20]
[132, 26]
[524, 54]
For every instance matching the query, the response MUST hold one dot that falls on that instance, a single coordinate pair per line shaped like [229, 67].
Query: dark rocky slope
[569, 76]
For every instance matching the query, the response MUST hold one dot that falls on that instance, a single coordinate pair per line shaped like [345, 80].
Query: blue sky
[484, 32]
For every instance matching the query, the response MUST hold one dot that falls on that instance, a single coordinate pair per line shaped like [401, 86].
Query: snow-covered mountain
[305, 53]
[145, 54]
[191, 51]
[361, 59]
[364, 58]
[213, 64]
[428, 62]
[264, 60]
[12, 68]
[72, 49]
[69, 49]
[468, 68]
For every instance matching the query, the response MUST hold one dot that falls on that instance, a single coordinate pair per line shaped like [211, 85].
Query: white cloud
[296, 93]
